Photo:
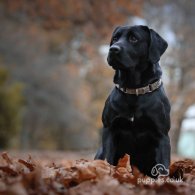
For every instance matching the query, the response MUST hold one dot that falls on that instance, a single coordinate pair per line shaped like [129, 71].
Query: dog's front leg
[163, 152]
[101, 153]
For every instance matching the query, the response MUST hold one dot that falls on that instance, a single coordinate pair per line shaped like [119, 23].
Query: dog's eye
[133, 39]
[114, 39]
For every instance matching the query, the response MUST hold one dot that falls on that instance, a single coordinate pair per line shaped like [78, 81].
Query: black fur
[134, 54]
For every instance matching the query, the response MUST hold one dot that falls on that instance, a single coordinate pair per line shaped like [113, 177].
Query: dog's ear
[113, 33]
[157, 46]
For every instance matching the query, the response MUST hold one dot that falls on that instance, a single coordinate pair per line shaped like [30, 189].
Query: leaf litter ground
[22, 176]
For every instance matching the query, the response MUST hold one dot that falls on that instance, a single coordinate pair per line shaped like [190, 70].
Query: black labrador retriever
[136, 116]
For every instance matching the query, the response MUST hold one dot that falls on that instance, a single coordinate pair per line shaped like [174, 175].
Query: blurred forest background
[54, 78]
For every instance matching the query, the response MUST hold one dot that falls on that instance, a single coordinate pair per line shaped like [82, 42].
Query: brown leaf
[125, 162]
[176, 172]
[179, 168]
[8, 170]
[30, 166]
[101, 168]
[6, 158]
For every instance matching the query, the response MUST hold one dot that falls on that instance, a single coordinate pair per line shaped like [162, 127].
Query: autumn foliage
[55, 14]
[19, 176]
[58, 60]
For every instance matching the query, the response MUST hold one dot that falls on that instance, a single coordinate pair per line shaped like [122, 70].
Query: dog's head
[132, 46]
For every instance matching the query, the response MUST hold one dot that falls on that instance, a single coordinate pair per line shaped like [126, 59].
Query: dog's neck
[136, 78]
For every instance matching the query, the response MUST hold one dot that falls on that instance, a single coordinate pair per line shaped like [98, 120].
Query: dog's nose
[115, 49]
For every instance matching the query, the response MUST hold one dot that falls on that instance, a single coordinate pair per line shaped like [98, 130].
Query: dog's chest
[141, 112]
[129, 107]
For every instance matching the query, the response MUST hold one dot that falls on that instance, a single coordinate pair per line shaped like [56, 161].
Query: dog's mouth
[117, 67]
[116, 63]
